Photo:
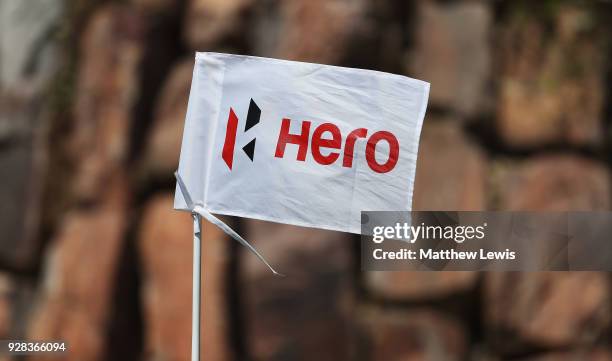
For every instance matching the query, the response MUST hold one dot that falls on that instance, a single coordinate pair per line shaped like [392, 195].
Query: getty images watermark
[423, 232]
[497, 241]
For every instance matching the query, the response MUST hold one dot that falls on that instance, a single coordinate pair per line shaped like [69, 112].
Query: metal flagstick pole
[197, 212]
[195, 307]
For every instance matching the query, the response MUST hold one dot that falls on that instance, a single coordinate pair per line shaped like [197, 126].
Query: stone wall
[93, 96]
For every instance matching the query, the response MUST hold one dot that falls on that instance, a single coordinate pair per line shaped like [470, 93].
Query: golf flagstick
[197, 274]
[197, 212]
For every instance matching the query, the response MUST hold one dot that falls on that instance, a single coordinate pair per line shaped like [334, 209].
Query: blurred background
[93, 96]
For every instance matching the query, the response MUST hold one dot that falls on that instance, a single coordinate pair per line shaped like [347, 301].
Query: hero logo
[317, 143]
[230, 134]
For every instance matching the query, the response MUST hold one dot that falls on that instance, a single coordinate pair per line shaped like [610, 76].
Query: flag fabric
[299, 143]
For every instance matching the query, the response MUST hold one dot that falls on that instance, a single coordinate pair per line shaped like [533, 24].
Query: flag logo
[303, 139]
[253, 116]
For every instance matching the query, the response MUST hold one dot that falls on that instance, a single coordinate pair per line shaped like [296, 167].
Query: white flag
[299, 143]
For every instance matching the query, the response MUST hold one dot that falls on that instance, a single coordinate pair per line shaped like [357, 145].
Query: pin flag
[319, 144]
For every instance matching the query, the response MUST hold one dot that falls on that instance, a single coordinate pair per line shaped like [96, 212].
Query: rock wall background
[92, 100]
